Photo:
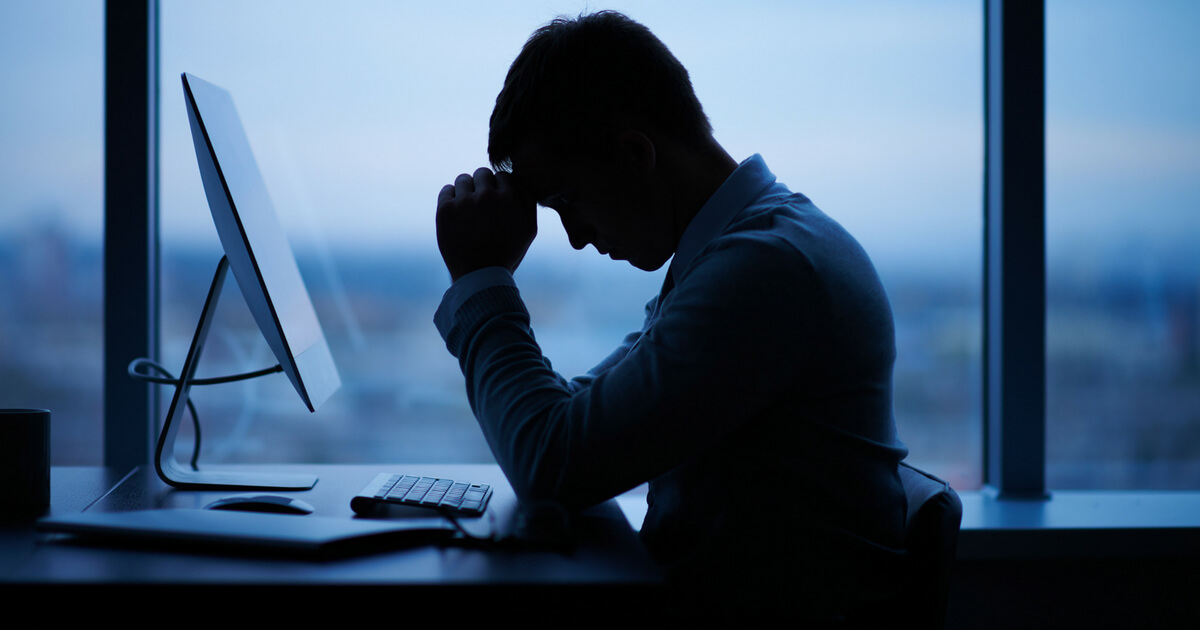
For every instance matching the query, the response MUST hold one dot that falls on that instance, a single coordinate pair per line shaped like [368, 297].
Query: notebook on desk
[283, 533]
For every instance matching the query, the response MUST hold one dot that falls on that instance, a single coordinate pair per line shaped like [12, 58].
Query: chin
[648, 265]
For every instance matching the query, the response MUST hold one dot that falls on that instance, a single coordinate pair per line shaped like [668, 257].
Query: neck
[696, 174]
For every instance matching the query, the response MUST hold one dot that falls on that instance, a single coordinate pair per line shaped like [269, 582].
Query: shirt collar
[742, 187]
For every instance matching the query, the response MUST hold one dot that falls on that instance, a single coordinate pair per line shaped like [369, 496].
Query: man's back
[781, 320]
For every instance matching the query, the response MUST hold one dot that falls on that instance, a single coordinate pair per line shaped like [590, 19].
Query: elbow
[535, 469]
[542, 467]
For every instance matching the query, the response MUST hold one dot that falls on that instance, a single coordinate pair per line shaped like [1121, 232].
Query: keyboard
[457, 497]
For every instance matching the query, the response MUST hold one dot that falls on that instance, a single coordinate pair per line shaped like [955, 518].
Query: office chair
[931, 538]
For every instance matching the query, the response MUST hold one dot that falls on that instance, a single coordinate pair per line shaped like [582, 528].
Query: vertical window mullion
[1014, 249]
[130, 226]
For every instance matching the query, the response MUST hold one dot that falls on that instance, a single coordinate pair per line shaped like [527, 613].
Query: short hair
[577, 80]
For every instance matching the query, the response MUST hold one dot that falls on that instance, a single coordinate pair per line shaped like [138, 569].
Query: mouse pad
[307, 535]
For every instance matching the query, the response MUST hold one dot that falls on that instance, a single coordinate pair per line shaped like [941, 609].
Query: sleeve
[725, 342]
[466, 287]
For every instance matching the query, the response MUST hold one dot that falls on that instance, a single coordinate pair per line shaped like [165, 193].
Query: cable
[462, 531]
[169, 380]
[546, 527]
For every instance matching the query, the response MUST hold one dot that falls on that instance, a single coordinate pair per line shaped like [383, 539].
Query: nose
[577, 233]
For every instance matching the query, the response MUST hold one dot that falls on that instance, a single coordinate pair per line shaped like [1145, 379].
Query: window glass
[1123, 223]
[360, 112]
[51, 210]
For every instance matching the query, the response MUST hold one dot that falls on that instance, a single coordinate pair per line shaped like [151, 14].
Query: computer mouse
[270, 503]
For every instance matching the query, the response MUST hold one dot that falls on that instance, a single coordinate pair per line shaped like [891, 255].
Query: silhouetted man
[756, 400]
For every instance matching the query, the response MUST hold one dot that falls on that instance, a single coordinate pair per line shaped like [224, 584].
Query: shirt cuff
[463, 289]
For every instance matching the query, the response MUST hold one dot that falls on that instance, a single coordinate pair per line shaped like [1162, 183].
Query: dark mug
[24, 459]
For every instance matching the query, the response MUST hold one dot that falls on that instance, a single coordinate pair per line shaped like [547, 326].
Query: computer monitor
[257, 251]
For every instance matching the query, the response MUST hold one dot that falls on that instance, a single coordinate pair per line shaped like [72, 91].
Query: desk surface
[605, 560]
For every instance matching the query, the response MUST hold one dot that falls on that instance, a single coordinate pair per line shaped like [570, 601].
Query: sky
[359, 112]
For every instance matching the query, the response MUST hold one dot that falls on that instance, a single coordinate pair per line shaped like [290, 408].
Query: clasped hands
[484, 220]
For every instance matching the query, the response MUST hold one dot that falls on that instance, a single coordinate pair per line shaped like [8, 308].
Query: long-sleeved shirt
[756, 400]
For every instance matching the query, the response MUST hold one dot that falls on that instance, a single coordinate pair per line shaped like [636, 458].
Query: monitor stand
[169, 470]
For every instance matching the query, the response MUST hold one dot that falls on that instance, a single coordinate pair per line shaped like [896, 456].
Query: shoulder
[758, 272]
[782, 233]
[785, 252]
[788, 228]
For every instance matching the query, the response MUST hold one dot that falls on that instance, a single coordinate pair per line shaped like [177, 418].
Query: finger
[484, 179]
[446, 194]
[464, 185]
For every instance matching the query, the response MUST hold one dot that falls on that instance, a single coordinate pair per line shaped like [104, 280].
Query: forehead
[543, 172]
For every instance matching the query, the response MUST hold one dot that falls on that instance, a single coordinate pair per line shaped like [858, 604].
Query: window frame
[1014, 501]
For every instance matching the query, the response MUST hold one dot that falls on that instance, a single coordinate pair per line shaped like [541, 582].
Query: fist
[484, 220]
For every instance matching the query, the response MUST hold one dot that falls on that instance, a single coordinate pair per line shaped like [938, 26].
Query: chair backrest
[931, 538]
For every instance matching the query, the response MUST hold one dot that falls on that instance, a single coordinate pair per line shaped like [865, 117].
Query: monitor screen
[255, 244]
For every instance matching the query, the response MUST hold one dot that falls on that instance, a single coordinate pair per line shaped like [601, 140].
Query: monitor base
[216, 477]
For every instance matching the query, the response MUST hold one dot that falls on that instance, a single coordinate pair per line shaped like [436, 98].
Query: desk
[605, 575]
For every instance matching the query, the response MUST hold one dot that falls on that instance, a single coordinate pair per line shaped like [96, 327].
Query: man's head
[589, 111]
[578, 83]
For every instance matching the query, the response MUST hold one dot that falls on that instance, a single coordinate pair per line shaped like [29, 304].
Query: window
[51, 175]
[359, 113]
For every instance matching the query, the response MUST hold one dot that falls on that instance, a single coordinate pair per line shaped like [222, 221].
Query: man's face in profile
[605, 202]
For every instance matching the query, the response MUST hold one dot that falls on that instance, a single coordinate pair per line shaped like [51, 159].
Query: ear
[639, 149]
